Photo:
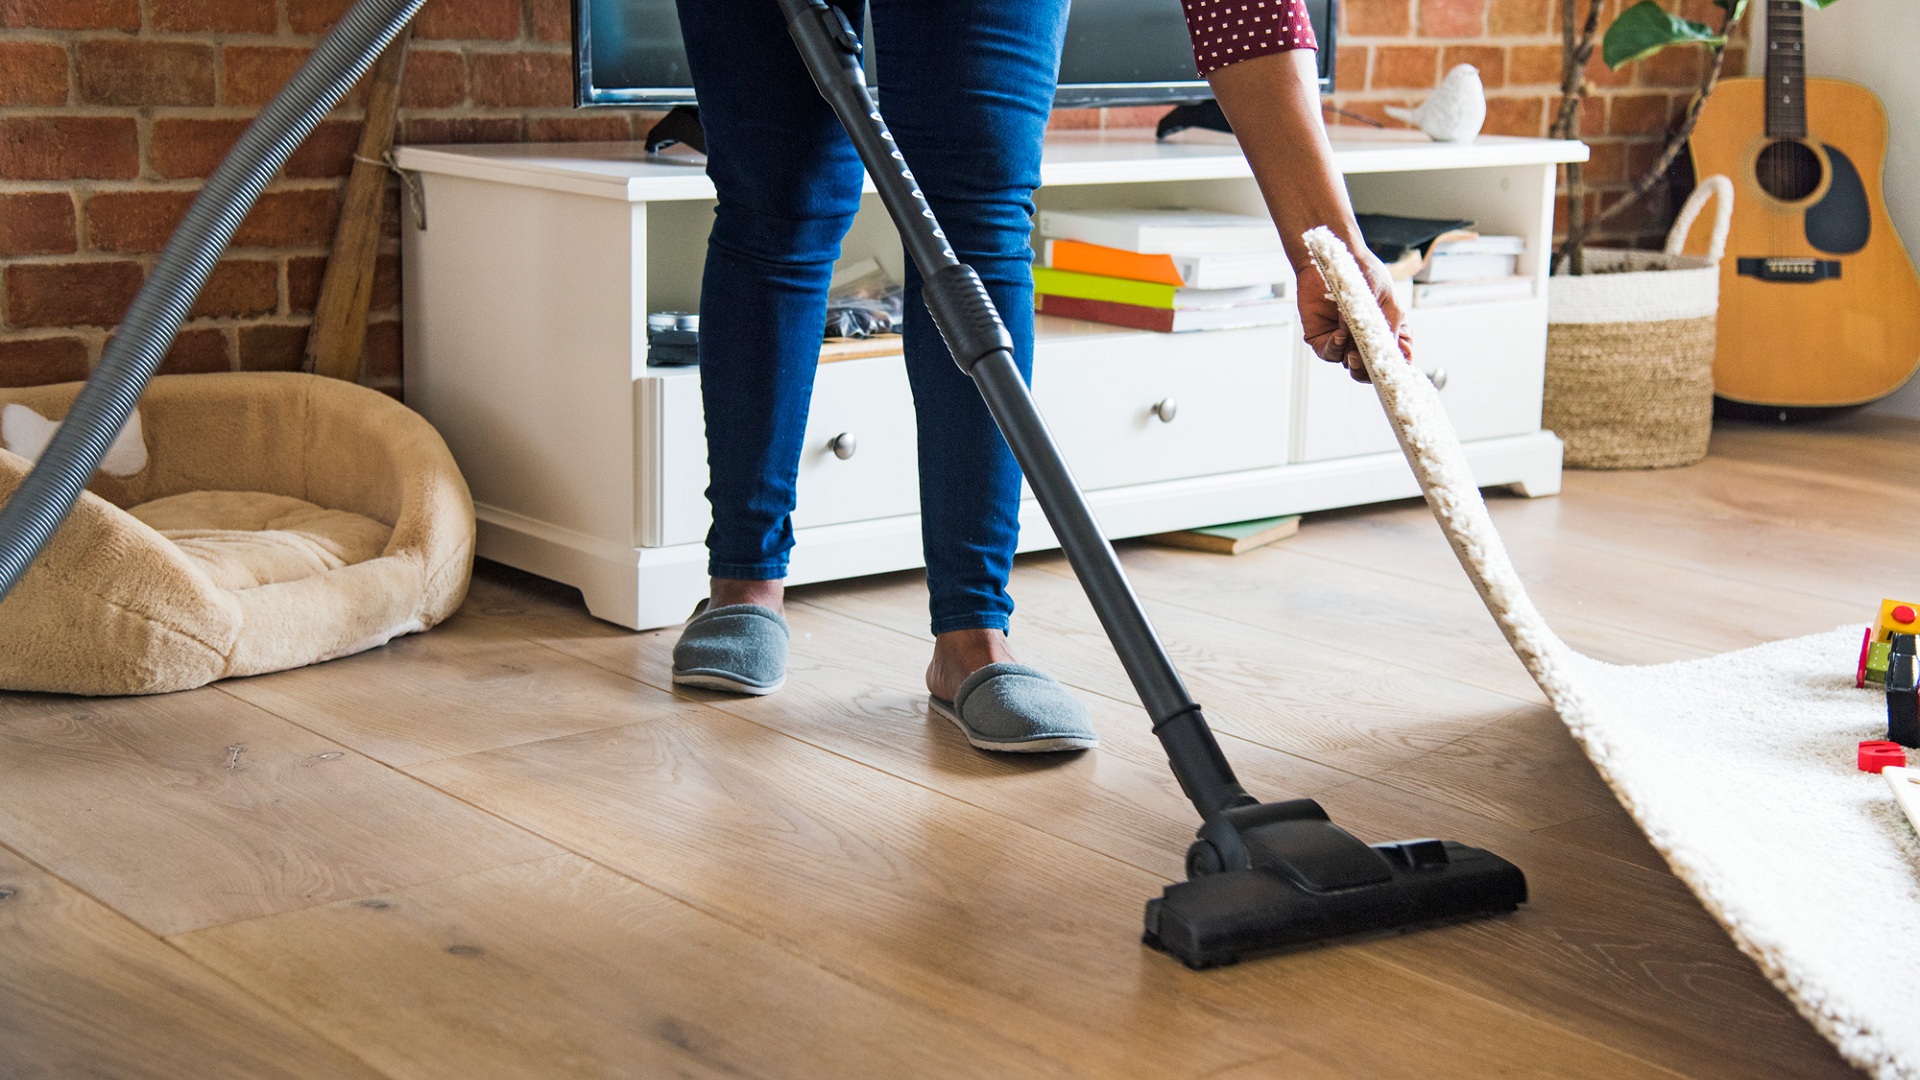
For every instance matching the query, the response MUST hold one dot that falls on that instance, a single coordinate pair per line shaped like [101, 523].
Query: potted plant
[1629, 380]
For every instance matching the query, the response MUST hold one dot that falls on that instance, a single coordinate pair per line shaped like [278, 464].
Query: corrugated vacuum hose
[134, 353]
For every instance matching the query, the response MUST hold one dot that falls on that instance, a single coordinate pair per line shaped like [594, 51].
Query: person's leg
[789, 184]
[967, 89]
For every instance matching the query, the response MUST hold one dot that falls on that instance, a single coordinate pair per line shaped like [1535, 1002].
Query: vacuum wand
[1263, 876]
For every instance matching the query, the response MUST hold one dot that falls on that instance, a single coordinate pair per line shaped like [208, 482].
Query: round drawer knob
[843, 445]
[1166, 409]
[1438, 377]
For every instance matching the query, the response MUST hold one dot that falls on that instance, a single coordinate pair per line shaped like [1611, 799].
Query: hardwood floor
[507, 848]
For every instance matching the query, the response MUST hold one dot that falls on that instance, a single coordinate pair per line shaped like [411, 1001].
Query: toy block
[1905, 783]
[1897, 617]
[1877, 754]
[1903, 692]
[1878, 656]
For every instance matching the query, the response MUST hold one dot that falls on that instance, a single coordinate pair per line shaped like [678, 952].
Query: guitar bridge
[1793, 271]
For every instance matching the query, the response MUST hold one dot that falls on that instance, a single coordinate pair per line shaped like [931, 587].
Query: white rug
[1739, 767]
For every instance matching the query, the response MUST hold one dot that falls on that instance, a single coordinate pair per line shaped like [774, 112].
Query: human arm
[1265, 83]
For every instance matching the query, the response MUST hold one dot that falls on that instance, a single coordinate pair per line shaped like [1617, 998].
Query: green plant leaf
[1646, 28]
[1739, 9]
[1816, 3]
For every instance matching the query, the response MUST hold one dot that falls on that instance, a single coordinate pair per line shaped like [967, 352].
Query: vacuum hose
[48, 493]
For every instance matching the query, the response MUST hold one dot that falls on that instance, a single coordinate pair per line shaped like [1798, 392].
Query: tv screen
[1118, 52]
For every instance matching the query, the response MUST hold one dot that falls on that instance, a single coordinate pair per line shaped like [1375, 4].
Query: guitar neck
[1786, 71]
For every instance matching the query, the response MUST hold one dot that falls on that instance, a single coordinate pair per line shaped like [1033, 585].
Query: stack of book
[1471, 269]
[1167, 270]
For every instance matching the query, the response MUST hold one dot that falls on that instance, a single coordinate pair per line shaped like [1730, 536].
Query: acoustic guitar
[1819, 303]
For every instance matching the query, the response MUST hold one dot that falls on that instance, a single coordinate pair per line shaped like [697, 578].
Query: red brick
[425, 130]
[257, 72]
[463, 20]
[1675, 67]
[1639, 114]
[599, 127]
[183, 148]
[1491, 60]
[1074, 120]
[1600, 75]
[1412, 67]
[1534, 65]
[71, 14]
[215, 16]
[1516, 116]
[273, 347]
[550, 20]
[1350, 68]
[328, 151]
[71, 293]
[315, 16]
[40, 223]
[39, 361]
[522, 79]
[32, 73]
[239, 288]
[1131, 116]
[1453, 18]
[304, 274]
[381, 357]
[134, 221]
[1519, 18]
[1377, 18]
[1608, 165]
[198, 352]
[69, 148]
[434, 79]
[290, 219]
[137, 72]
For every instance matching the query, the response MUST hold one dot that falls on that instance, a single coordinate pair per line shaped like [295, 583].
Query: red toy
[1877, 754]
[1860, 673]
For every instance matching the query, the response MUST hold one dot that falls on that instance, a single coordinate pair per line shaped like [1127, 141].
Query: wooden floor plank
[85, 993]
[1612, 834]
[1602, 946]
[474, 684]
[1003, 926]
[194, 809]
[1344, 709]
[560, 969]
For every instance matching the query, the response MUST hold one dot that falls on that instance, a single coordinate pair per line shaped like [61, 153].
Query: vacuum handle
[973, 330]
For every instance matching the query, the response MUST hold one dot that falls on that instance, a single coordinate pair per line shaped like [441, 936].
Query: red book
[1165, 320]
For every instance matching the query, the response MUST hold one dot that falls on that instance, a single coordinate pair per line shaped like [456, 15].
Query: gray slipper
[741, 648]
[1018, 709]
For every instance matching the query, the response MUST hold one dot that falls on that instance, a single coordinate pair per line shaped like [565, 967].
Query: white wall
[1876, 43]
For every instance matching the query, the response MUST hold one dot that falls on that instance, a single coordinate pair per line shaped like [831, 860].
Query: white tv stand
[526, 300]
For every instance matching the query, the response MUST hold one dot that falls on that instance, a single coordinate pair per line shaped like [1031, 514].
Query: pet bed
[242, 523]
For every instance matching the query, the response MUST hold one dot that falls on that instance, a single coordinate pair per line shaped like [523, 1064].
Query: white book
[1483, 245]
[1447, 266]
[1232, 270]
[1456, 293]
[1163, 232]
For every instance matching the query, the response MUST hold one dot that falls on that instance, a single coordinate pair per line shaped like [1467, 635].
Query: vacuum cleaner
[1263, 876]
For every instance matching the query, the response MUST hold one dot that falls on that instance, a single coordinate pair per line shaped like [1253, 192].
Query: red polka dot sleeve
[1229, 31]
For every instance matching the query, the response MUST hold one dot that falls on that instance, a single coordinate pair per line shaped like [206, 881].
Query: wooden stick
[339, 331]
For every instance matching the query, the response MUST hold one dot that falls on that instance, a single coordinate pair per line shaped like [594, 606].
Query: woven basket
[1630, 348]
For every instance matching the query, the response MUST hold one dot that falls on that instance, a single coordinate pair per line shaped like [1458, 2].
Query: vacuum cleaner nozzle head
[1311, 882]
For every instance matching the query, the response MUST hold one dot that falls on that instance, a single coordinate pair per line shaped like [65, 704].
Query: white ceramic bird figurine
[1455, 112]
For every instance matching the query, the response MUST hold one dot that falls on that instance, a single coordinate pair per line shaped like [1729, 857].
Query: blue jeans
[968, 87]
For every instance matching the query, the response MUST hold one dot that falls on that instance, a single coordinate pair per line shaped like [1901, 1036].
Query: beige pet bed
[242, 524]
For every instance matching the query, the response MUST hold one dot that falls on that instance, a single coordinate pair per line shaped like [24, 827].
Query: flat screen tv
[1118, 52]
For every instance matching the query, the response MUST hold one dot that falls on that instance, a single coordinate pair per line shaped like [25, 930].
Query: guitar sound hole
[1788, 171]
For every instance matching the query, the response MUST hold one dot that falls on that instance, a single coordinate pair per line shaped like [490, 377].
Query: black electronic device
[1117, 52]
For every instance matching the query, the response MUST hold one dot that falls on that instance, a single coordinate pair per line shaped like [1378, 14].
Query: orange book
[1112, 262]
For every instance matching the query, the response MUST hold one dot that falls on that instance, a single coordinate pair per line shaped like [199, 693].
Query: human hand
[1326, 332]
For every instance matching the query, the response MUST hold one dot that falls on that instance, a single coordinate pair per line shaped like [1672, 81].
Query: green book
[1232, 539]
[1078, 286]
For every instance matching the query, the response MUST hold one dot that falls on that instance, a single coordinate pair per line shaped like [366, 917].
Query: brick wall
[112, 112]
